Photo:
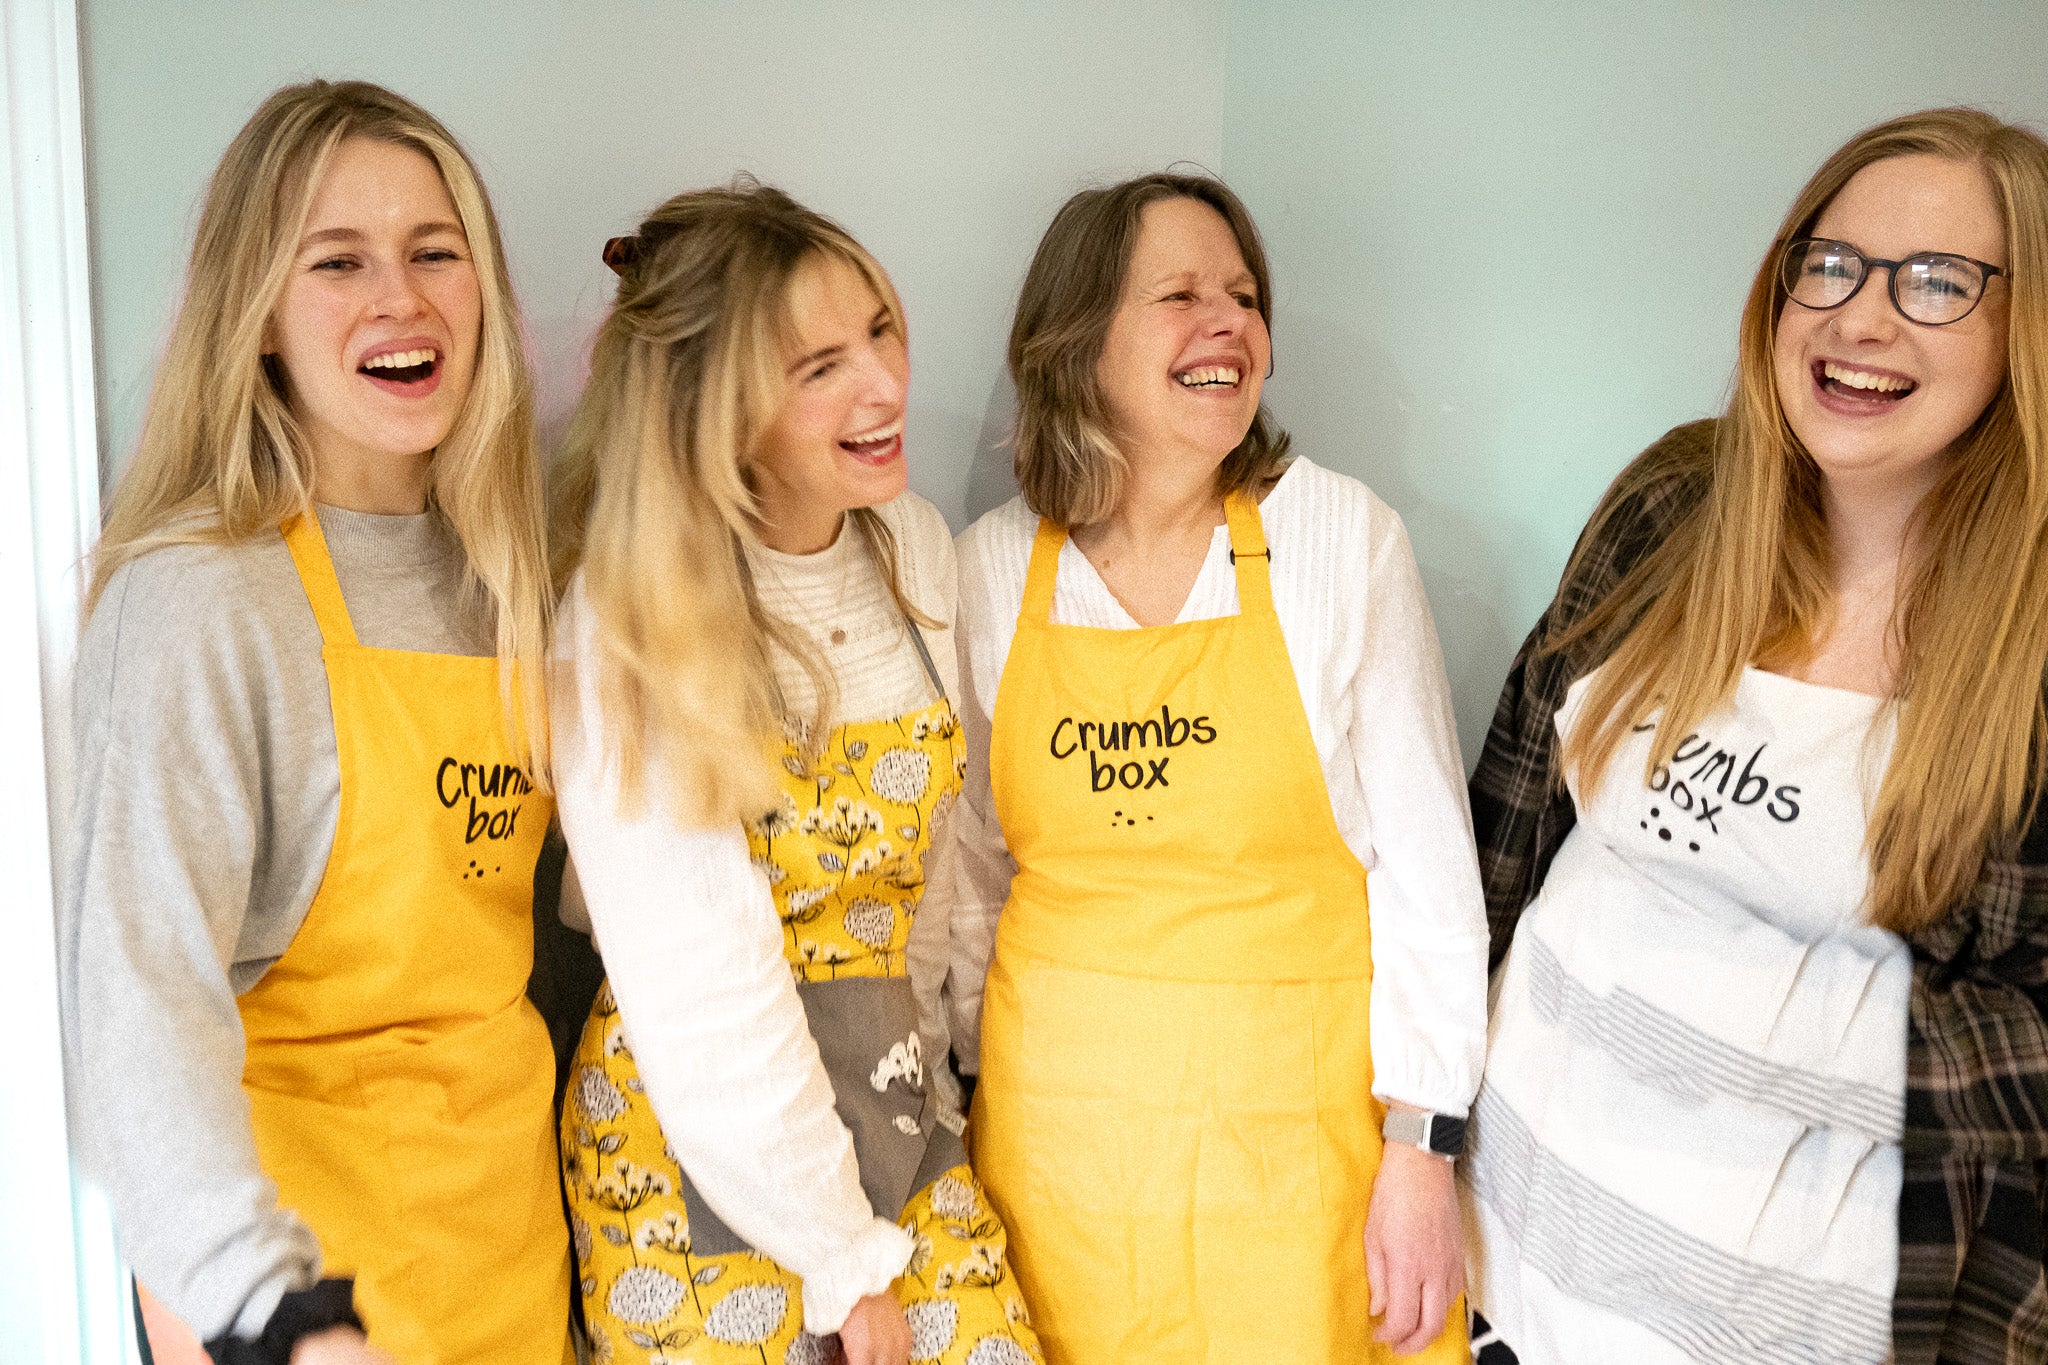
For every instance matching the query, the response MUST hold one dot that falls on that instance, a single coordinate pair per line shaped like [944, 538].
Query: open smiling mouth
[877, 446]
[1876, 391]
[402, 368]
[1210, 377]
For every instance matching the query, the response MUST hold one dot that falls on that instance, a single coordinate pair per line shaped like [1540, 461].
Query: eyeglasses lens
[1937, 289]
[1821, 274]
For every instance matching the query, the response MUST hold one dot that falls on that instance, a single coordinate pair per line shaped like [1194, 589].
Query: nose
[885, 375]
[397, 294]
[1222, 315]
[1870, 315]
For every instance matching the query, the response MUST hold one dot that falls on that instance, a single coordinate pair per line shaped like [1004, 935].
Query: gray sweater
[207, 796]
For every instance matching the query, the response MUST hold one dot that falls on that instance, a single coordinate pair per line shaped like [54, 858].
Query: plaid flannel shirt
[1973, 1220]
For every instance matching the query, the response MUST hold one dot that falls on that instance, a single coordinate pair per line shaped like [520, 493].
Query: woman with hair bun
[1216, 840]
[1761, 830]
[757, 756]
[297, 931]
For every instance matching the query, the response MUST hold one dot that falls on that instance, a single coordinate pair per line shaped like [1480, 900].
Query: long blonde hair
[1745, 578]
[222, 458]
[652, 502]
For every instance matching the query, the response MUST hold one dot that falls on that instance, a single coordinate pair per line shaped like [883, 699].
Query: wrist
[1438, 1135]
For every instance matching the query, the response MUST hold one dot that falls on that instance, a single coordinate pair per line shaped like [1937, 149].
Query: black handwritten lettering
[1791, 812]
[1158, 777]
[448, 798]
[1205, 733]
[1139, 728]
[1742, 785]
[1072, 746]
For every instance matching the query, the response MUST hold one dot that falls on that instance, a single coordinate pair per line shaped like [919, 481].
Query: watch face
[1447, 1136]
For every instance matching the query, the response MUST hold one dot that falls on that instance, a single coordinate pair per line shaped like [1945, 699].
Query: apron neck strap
[1249, 554]
[303, 537]
[1044, 570]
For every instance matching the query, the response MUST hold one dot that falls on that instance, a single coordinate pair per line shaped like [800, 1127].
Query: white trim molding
[63, 1293]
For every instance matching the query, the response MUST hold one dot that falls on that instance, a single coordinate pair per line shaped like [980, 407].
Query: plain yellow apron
[1175, 1116]
[399, 1083]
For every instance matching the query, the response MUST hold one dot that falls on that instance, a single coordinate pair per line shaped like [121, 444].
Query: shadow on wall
[991, 472]
[1358, 418]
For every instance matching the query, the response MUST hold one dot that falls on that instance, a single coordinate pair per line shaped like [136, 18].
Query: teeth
[399, 360]
[869, 438]
[1209, 374]
[1859, 379]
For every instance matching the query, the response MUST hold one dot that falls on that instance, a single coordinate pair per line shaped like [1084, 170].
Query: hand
[337, 1346]
[1414, 1247]
[876, 1332]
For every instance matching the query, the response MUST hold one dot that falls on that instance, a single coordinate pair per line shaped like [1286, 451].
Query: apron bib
[1175, 1115]
[844, 852]
[400, 1085]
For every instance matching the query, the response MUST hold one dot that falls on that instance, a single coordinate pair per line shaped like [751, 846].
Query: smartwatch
[1439, 1134]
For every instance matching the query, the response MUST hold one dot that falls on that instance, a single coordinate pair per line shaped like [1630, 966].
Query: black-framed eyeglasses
[1933, 288]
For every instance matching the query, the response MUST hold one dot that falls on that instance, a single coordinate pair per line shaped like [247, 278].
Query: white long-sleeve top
[693, 949]
[1365, 655]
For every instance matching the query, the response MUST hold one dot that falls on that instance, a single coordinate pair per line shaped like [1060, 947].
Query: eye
[1247, 300]
[1178, 296]
[820, 371]
[438, 255]
[883, 327]
[334, 264]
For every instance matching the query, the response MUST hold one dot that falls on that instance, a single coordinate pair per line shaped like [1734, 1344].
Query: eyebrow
[348, 234]
[827, 352]
[1243, 277]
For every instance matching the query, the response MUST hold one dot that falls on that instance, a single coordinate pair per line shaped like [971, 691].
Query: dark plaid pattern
[1973, 1218]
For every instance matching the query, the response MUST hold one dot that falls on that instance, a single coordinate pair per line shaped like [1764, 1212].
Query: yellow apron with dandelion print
[1175, 1118]
[663, 1279]
[400, 1086]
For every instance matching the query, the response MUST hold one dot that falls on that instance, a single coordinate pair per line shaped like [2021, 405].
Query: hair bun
[621, 252]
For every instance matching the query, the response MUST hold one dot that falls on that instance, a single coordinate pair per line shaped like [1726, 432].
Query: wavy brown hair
[1068, 464]
[1745, 578]
[652, 503]
[222, 459]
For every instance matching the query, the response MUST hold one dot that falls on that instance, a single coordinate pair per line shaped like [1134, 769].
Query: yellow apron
[1175, 1115]
[399, 1083]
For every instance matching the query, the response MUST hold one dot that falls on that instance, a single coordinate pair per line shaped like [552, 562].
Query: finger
[1375, 1275]
[1430, 1322]
[1404, 1302]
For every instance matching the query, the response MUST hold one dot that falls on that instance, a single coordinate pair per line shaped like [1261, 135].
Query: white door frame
[63, 1292]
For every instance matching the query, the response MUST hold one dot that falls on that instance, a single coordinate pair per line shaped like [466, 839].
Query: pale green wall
[1448, 190]
[1444, 190]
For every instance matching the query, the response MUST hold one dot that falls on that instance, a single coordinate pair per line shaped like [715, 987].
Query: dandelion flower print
[932, 1324]
[870, 921]
[901, 775]
[748, 1315]
[954, 1198]
[806, 1349]
[999, 1351]
[774, 872]
[781, 818]
[579, 1233]
[643, 1295]
[597, 1097]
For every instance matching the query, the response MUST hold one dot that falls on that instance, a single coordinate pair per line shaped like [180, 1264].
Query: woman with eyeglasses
[1768, 1076]
[1215, 838]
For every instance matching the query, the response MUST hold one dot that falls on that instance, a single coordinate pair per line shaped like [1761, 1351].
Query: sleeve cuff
[300, 1313]
[867, 1265]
